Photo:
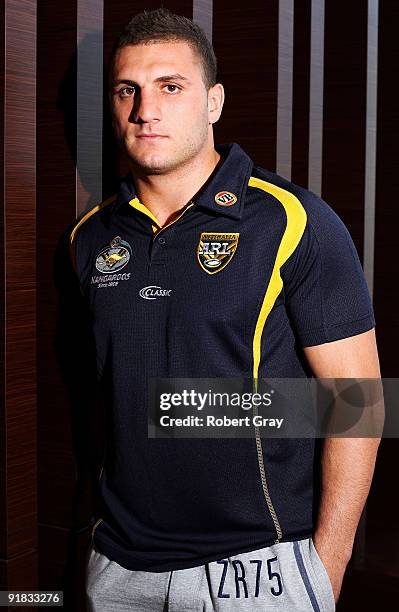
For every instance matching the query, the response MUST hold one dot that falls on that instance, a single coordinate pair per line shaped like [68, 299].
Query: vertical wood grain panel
[371, 142]
[316, 96]
[383, 525]
[344, 133]
[247, 52]
[56, 120]
[56, 209]
[387, 184]
[18, 529]
[284, 88]
[203, 16]
[301, 93]
[3, 438]
[89, 123]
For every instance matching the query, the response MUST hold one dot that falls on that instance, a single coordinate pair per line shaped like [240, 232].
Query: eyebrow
[161, 79]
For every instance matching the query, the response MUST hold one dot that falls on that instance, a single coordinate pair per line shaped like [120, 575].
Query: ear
[215, 102]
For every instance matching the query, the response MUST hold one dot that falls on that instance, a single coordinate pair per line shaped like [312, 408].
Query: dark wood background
[59, 158]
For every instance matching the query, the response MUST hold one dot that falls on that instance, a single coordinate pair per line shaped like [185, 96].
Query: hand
[335, 558]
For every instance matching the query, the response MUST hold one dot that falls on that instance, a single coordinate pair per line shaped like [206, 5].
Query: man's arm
[347, 463]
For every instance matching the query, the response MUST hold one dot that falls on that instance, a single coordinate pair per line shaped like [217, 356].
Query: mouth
[151, 136]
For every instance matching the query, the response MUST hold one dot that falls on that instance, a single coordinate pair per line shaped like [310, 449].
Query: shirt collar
[230, 177]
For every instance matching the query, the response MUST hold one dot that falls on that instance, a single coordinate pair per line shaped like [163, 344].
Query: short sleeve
[325, 290]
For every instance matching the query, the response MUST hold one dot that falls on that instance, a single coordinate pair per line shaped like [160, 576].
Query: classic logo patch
[225, 198]
[114, 256]
[216, 250]
[152, 292]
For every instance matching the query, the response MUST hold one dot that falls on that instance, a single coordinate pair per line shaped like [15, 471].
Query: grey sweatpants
[288, 577]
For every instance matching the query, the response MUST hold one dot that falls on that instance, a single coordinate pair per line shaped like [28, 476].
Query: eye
[171, 85]
[129, 89]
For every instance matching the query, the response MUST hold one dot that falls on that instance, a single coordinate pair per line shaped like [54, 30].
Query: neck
[166, 194]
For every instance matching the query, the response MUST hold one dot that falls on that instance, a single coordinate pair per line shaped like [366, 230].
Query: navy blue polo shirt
[252, 269]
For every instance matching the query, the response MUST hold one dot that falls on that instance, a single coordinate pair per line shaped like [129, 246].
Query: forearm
[347, 464]
[346, 472]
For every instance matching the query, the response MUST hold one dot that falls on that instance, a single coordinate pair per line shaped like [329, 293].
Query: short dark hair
[161, 25]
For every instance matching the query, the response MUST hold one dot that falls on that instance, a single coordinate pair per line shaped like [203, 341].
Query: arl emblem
[216, 250]
[113, 257]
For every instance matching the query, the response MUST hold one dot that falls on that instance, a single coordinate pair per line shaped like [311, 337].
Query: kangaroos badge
[114, 256]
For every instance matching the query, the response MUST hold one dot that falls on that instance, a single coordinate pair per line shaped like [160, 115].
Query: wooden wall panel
[387, 184]
[246, 46]
[56, 196]
[344, 133]
[301, 98]
[3, 430]
[383, 524]
[18, 528]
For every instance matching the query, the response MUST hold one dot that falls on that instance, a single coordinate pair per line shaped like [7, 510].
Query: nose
[146, 107]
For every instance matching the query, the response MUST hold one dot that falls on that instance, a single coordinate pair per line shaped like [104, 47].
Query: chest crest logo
[114, 256]
[215, 250]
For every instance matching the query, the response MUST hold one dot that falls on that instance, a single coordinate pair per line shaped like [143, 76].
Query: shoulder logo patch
[215, 250]
[114, 256]
[225, 198]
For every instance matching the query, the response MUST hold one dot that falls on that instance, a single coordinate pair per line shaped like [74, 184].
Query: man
[206, 265]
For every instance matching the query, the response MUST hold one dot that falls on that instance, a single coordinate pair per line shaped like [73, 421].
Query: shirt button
[161, 240]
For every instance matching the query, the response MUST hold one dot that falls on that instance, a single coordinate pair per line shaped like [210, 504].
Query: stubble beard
[165, 163]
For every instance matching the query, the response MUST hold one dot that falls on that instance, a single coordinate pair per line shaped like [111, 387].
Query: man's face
[159, 89]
